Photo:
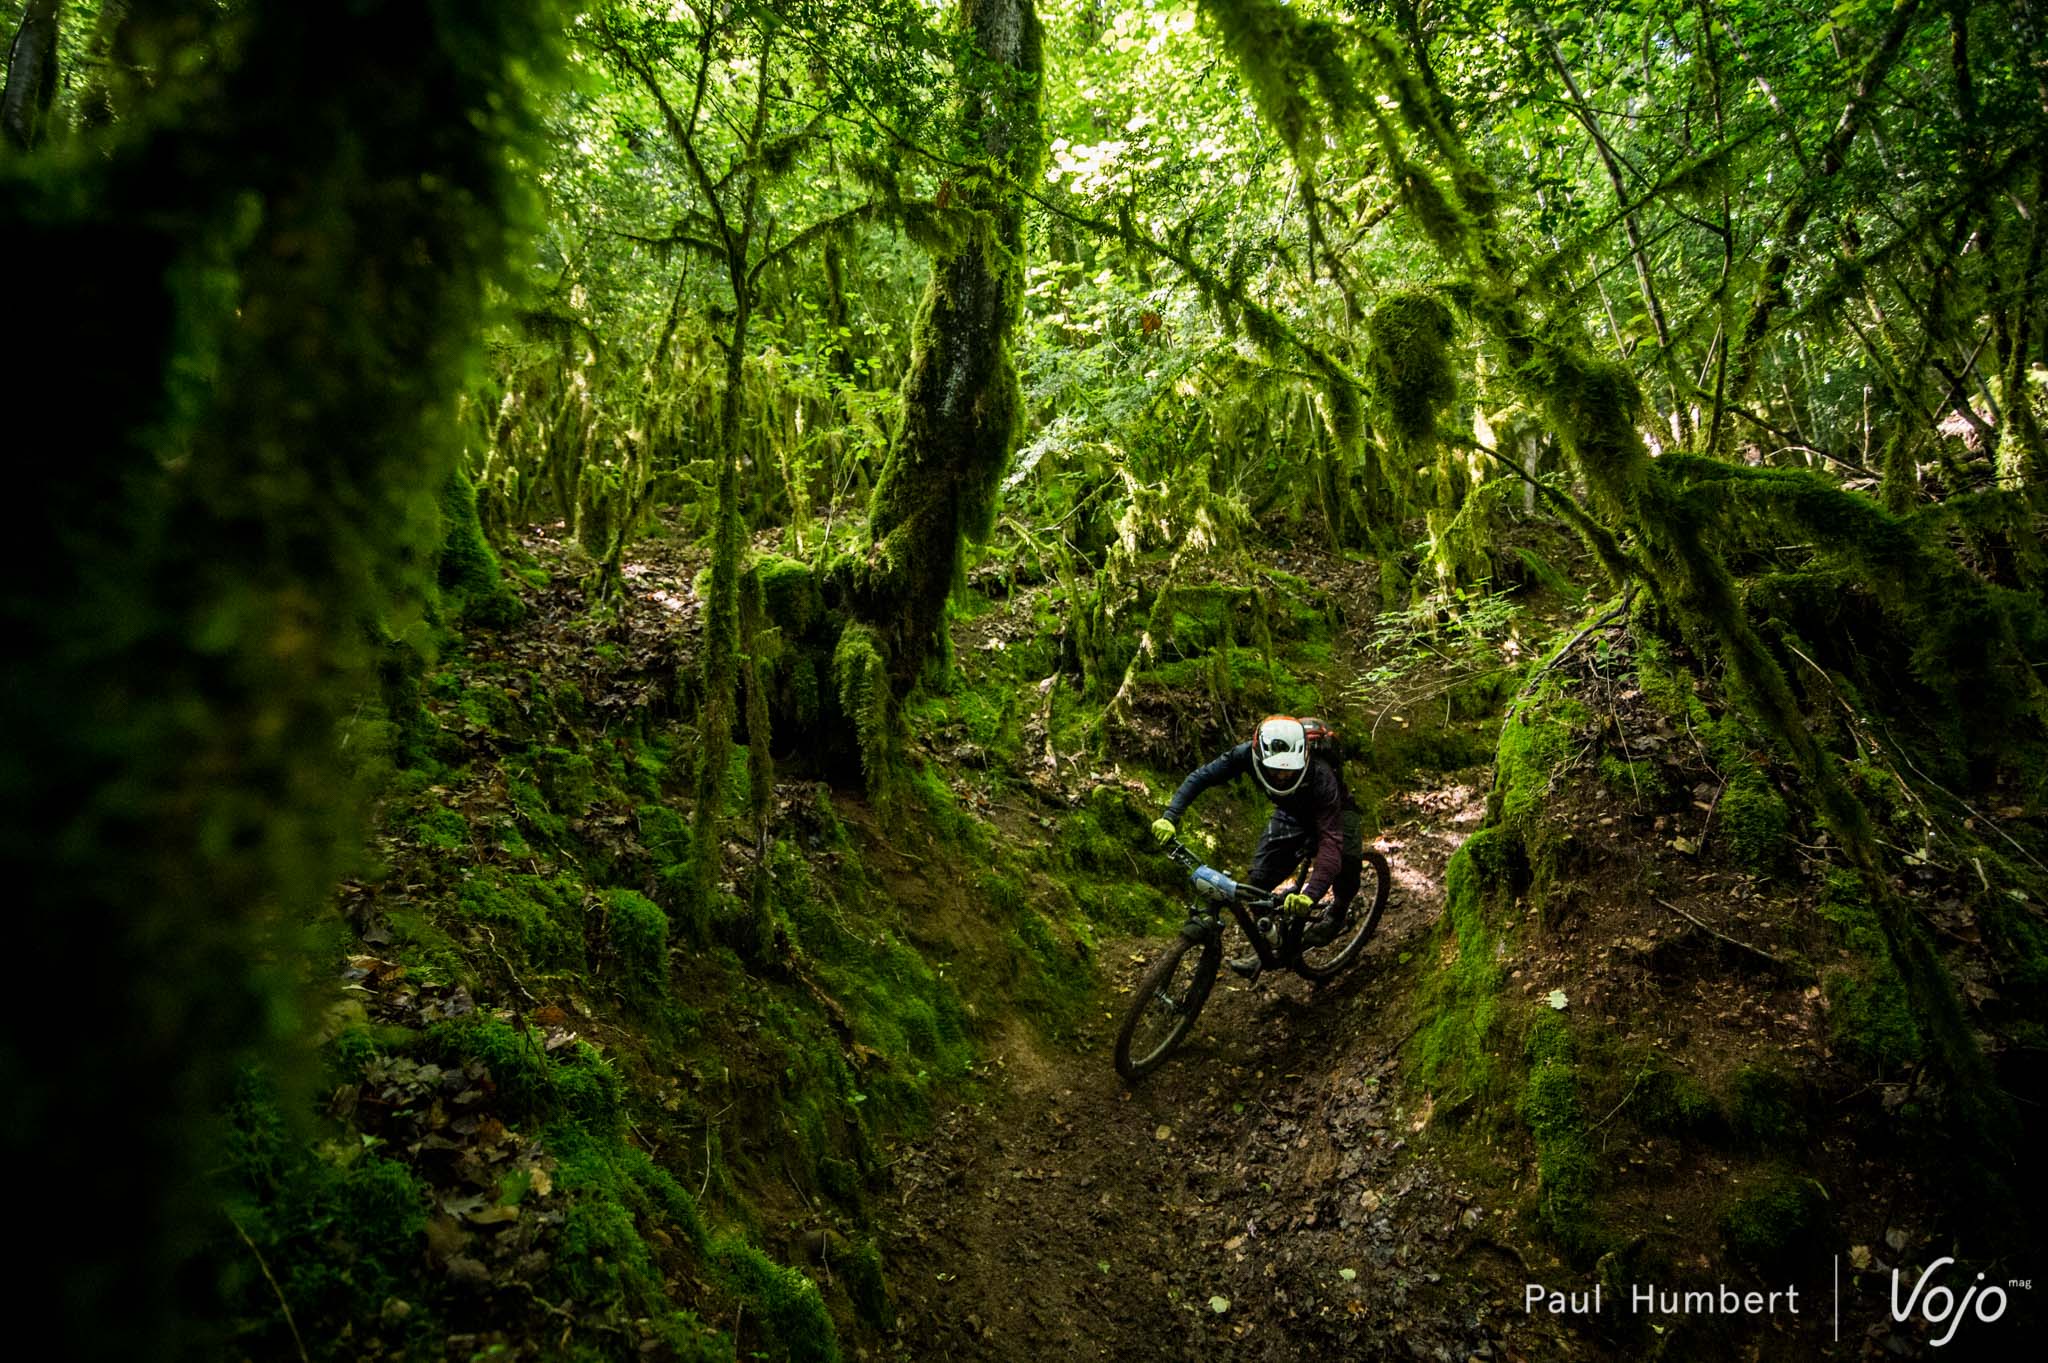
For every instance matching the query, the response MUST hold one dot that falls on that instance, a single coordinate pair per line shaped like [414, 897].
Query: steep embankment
[557, 1106]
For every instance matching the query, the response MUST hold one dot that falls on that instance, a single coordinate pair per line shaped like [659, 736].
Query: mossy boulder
[570, 1083]
[1777, 1223]
[1104, 835]
[471, 583]
[1464, 994]
[788, 1302]
[535, 919]
[440, 828]
[639, 931]
[790, 594]
[619, 1201]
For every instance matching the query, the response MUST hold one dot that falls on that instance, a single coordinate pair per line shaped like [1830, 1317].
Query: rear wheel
[1375, 882]
[1167, 1002]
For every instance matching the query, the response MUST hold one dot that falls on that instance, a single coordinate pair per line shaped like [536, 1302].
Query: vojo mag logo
[1937, 1305]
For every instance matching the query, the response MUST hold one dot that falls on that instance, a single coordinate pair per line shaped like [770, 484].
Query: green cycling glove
[1297, 903]
[1162, 831]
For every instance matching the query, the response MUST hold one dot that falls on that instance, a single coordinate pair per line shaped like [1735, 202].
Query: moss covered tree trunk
[278, 283]
[961, 399]
[720, 660]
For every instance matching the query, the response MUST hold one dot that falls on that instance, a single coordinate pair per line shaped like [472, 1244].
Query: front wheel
[1375, 882]
[1168, 999]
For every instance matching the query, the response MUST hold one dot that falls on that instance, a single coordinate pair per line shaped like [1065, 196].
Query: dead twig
[1644, 1074]
[268, 1277]
[492, 939]
[1713, 931]
[1388, 1054]
[1707, 824]
[804, 1197]
[1628, 598]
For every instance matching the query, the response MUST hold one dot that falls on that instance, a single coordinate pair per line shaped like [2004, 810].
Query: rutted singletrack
[1256, 1198]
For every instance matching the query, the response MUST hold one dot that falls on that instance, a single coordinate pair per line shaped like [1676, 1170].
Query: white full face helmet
[1280, 754]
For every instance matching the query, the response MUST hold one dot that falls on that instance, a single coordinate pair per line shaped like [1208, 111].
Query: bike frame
[1205, 923]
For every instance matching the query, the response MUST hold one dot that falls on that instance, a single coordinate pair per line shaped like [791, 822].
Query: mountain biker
[1312, 809]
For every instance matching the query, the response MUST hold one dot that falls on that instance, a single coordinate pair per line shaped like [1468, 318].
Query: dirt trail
[1266, 1166]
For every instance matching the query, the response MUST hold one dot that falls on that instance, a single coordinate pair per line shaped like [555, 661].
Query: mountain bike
[1175, 987]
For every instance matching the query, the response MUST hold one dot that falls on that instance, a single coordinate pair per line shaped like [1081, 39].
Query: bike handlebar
[1249, 895]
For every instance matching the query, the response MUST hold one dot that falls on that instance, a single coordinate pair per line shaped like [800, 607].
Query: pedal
[1249, 967]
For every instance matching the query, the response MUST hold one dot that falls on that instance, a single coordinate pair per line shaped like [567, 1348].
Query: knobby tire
[1159, 976]
[1375, 884]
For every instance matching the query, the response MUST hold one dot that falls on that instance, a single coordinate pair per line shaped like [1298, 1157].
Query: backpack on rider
[1327, 746]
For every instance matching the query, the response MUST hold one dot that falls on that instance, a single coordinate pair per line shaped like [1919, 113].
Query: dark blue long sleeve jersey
[1317, 804]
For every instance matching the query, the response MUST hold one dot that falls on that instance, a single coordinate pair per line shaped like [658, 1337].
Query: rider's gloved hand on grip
[1296, 903]
[1162, 831]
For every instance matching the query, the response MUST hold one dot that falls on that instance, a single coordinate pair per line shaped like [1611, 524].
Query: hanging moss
[1409, 365]
[1292, 62]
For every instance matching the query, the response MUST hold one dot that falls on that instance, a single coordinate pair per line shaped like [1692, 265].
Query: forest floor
[1256, 1198]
